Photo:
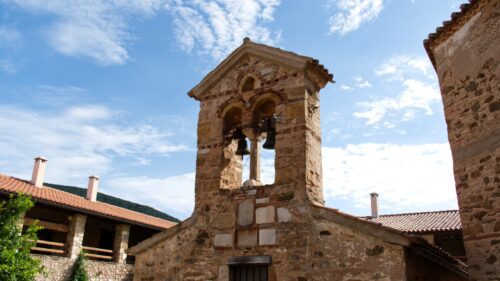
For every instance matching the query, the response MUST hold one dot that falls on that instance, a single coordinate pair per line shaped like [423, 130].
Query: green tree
[16, 263]
[79, 272]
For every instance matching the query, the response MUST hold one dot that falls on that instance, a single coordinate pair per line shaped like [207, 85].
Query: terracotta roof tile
[421, 222]
[53, 196]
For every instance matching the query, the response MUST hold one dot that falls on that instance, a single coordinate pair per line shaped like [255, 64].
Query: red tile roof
[64, 199]
[421, 222]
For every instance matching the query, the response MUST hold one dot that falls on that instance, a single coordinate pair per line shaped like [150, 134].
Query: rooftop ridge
[418, 213]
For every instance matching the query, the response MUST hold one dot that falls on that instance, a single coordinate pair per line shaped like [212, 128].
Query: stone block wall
[298, 141]
[255, 223]
[467, 60]
[61, 268]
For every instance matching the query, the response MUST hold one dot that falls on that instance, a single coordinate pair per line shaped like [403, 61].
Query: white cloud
[78, 141]
[8, 66]
[174, 194]
[399, 66]
[360, 83]
[352, 14]
[217, 27]
[416, 95]
[9, 36]
[94, 29]
[345, 87]
[407, 177]
[10, 40]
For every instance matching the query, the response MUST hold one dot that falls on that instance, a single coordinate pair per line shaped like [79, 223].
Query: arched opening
[232, 164]
[249, 83]
[262, 152]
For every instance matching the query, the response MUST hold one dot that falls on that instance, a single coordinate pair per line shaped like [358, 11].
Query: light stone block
[265, 215]
[267, 237]
[223, 273]
[245, 212]
[247, 238]
[262, 200]
[284, 215]
[252, 192]
[224, 240]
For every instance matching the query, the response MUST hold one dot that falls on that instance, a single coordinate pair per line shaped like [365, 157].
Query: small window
[248, 85]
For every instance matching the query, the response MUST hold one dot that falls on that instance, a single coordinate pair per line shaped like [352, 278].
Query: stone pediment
[277, 56]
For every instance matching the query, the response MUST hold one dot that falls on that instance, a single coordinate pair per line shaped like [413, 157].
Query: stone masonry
[61, 268]
[75, 235]
[466, 55]
[284, 223]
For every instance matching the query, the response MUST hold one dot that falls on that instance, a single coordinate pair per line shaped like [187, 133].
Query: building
[440, 228]
[74, 223]
[466, 56]
[282, 231]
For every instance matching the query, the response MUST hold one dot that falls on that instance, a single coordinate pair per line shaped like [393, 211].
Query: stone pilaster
[75, 235]
[122, 232]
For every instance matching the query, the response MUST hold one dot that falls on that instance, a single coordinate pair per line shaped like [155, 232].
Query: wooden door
[248, 273]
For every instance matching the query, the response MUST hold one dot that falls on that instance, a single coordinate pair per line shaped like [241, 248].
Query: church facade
[282, 231]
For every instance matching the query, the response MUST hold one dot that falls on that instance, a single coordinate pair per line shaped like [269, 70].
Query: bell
[270, 139]
[242, 147]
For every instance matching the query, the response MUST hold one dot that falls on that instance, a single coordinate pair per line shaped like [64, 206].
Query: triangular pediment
[248, 48]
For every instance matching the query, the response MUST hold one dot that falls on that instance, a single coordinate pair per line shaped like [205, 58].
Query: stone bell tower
[259, 92]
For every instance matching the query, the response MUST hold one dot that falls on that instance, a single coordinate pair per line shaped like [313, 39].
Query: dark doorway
[249, 268]
[248, 273]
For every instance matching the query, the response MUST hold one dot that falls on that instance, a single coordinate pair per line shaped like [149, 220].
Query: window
[248, 85]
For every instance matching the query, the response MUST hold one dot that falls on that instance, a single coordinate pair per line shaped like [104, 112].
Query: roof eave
[447, 26]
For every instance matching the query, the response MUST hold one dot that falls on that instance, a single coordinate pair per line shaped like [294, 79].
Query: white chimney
[374, 200]
[92, 188]
[39, 171]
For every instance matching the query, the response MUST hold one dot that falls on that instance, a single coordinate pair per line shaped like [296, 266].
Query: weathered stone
[122, 233]
[225, 220]
[61, 268]
[223, 273]
[224, 240]
[245, 212]
[265, 215]
[284, 215]
[267, 237]
[247, 238]
[467, 60]
[262, 200]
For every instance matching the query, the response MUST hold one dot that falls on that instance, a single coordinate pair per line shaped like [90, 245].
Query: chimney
[39, 171]
[374, 201]
[92, 188]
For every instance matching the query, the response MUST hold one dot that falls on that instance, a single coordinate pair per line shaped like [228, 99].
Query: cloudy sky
[99, 87]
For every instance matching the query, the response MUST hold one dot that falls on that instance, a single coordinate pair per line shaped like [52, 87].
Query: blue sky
[100, 88]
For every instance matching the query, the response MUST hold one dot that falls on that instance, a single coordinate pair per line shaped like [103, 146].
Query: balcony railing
[49, 247]
[97, 253]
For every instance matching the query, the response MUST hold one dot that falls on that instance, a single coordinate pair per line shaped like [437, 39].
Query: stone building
[439, 228]
[465, 52]
[72, 223]
[281, 231]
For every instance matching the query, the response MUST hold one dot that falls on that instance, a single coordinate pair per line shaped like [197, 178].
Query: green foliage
[79, 272]
[16, 263]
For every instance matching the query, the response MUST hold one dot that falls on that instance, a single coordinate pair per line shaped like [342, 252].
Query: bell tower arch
[258, 96]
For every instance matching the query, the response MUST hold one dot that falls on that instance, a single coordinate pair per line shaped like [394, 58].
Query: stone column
[122, 233]
[75, 235]
[255, 160]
